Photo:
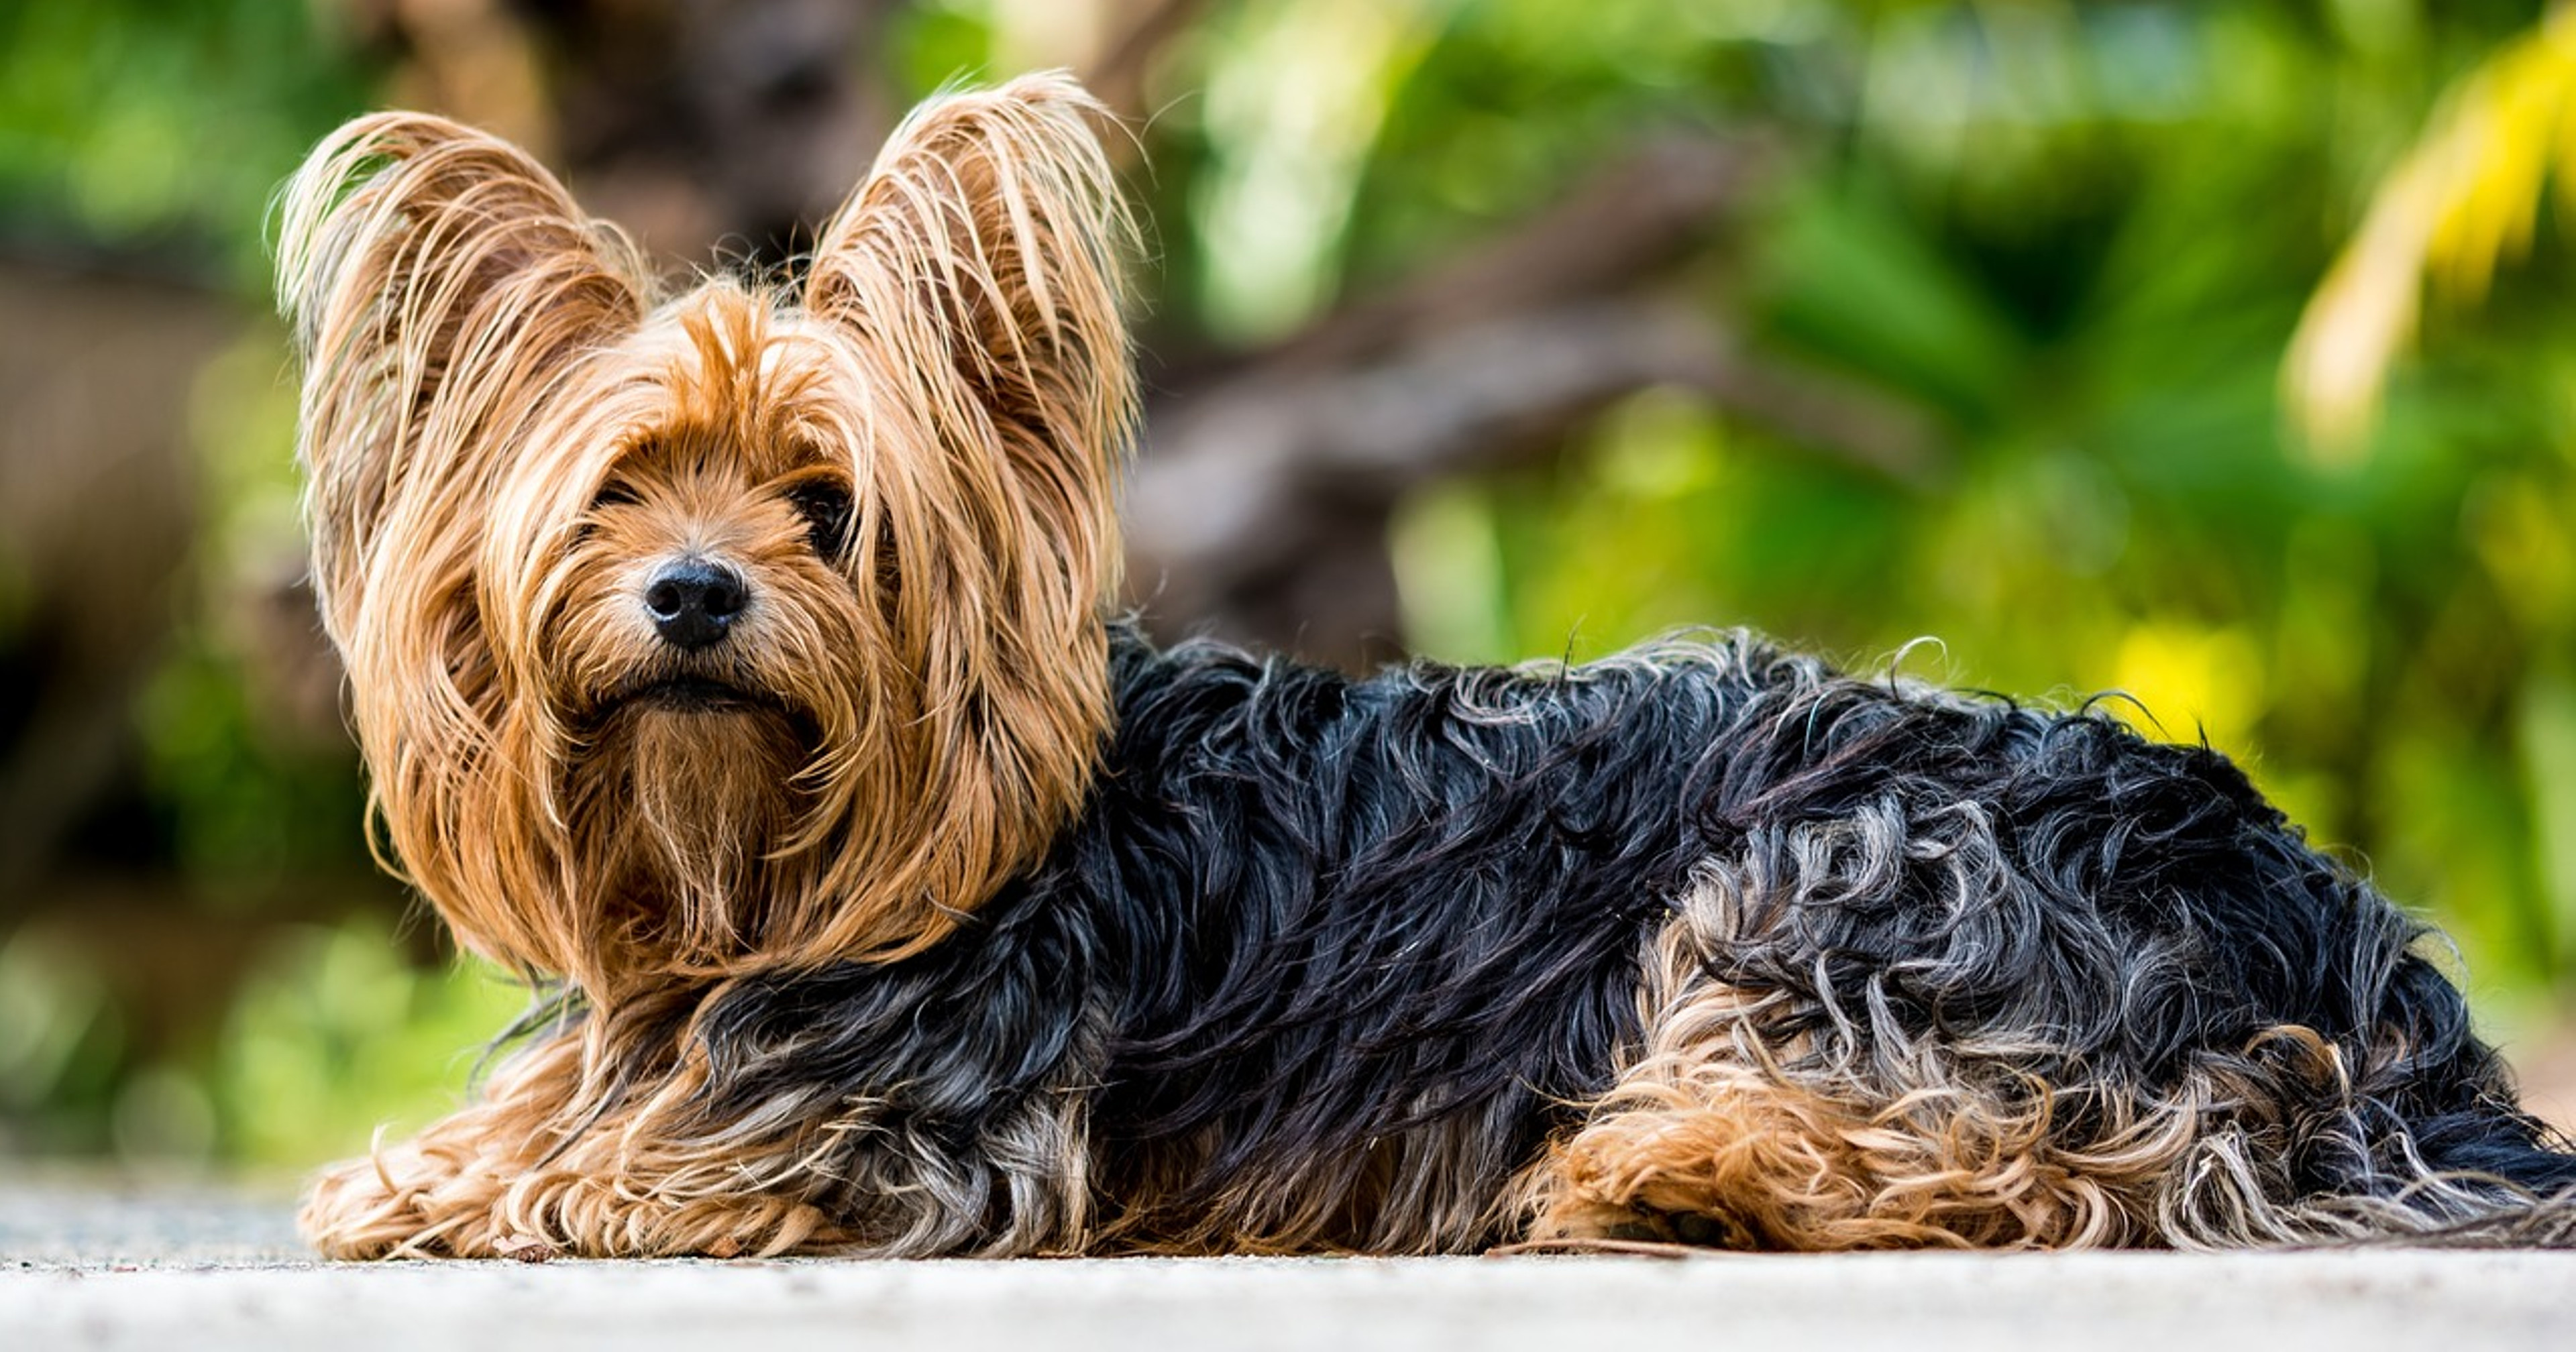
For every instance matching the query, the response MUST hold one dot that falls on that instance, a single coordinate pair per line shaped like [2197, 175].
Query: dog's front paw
[399, 1204]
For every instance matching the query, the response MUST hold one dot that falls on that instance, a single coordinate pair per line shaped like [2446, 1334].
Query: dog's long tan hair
[500, 419]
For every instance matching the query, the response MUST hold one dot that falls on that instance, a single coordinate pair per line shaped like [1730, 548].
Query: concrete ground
[93, 1267]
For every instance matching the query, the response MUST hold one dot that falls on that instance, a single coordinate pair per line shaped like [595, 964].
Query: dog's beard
[680, 804]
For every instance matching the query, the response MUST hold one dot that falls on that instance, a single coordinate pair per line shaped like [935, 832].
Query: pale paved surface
[81, 1267]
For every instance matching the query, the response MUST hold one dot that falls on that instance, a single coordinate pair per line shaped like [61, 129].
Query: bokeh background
[2214, 353]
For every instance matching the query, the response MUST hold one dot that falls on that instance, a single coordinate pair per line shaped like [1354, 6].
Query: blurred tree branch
[1142, 30]
[696, 124]
[1261, 498]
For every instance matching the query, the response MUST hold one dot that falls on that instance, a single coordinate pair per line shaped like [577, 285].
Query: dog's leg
[1726, 1130]
[1745, 1156]
[440, 1193]
[661, 1158]
[528, 1171]
[431, 1196]
[454, 1192]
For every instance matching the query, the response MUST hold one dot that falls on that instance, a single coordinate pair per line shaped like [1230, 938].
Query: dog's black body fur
[1314, 938]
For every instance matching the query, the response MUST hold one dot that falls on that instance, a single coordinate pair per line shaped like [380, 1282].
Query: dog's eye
[610, 495]
[826, 509]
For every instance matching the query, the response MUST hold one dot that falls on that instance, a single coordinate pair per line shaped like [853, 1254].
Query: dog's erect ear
[435, 278]
[979, 266]
[439, 284]
[975, 275]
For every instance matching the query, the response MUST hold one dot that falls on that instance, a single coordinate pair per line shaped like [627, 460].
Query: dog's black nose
[693, 603]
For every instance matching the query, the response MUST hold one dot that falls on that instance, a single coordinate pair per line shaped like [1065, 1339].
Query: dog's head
[750, 628]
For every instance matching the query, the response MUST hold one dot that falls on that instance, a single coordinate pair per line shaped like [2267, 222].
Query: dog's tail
[2414, 1151]
[2519, 1196]
[2527, 1172]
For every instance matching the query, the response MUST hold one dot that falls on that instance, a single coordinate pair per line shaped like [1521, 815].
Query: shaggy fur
[901, 903]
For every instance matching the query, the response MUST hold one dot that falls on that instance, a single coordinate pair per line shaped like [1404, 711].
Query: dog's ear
[439, 285]
[435, 278]
[978, 266]
[975, 276]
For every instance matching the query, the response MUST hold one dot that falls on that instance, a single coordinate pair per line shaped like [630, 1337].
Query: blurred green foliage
[164, 125]
[2082, 234]
[2075, 235]
[339, 1034]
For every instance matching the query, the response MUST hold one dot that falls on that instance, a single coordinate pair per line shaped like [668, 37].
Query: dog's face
[707, 649]
[750, 628]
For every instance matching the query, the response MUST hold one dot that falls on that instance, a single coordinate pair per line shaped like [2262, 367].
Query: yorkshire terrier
[740, 668]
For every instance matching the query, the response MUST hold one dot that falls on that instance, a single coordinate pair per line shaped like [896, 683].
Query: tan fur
[503, 427]
[527, 1165]
[481, 363]
[563, 1154]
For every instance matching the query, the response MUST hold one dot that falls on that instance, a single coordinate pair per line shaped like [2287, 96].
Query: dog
[741, 669]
